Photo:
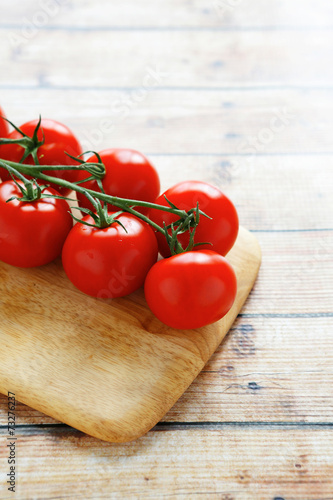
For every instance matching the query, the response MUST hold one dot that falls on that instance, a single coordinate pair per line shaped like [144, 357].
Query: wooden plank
[24, 414]
[173, 122]
[267, 370]
[169, 13]
[169, 59]
[229, 463]
[296, 274]
[270, 192]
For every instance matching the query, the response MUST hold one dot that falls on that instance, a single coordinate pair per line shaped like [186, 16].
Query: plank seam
[286, 315]
[205, 424]
[226, 29]
[120, 88]
[305, 230]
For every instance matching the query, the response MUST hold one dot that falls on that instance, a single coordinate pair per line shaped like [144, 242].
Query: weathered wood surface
[238, 122]
[229, 14]
[195, 59]
[267, 370]
[243, 64]
[219, 462]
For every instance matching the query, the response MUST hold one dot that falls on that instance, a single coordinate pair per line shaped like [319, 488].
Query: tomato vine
[187, 220]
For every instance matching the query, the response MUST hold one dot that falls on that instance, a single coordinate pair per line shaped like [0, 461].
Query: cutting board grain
[107, 368]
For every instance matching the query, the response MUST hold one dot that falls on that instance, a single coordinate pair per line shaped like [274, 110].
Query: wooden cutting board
[109, 369]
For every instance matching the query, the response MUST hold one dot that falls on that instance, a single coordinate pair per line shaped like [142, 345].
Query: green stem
[123, 203]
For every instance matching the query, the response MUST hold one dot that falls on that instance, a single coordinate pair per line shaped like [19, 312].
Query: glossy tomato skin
[58, 140]
[109, 263]
[191, 290]
[31, 233]
[4, 129]
[129, 174]
[221, 230]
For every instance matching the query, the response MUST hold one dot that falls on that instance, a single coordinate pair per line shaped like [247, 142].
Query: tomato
[129, 174]
[31, 233]
[4, 130]
[109, 262]
[221, 230]
[58, 140]
[191, 289]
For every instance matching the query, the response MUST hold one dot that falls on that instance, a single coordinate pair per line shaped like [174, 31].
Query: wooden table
[237, 93]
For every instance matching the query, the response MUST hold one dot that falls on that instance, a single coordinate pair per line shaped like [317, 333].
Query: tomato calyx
[187, 223]
[30, 189]
[30, 145]
[102, 218]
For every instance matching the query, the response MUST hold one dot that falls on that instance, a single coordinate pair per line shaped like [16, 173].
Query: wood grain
[65, 348]
[296, 266]
[224, 463]
[182, 122]
[245, 179]
[229, 14]
[191, 59]
[266, 370]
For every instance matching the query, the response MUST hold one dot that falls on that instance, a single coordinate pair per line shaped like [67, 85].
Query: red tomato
[129, 174]
[221, 230]
[109, 262]
[31, 233]
[191, 290]
[4, 130]
[58, 140]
